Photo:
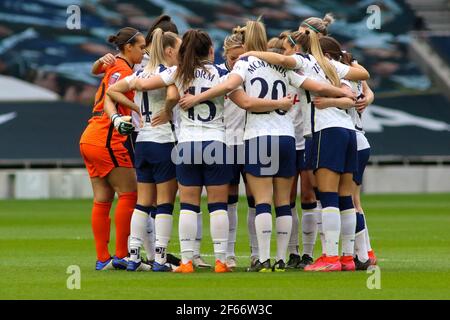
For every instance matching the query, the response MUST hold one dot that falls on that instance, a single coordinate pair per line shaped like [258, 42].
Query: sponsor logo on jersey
[114, 78]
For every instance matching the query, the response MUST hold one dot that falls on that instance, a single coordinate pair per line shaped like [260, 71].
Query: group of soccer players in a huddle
[281, 113]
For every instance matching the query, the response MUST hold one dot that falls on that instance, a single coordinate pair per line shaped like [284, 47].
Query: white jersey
[234, 119]
[356, 87]
[204, 121]
[329, 117]
[151, 103]
[138, 67]
[296, 113]
[361, 139]
[267, 81]
[144, 62]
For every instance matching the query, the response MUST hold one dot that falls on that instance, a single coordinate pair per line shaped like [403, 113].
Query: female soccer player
[108, 156]
[153, 153]
[201, 149]
[309, 229]
[263, 131]
[302, 102]
[234, 119]
[334, 148]
[332, 49]
[165, 23]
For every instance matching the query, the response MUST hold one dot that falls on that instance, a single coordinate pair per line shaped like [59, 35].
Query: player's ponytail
[309, 41]
[164, 22]
[332, 48]
[193, 54]
[125, 36]
[255, 36]
[160, 41]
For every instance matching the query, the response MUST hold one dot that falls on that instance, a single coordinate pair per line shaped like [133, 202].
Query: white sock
[251, 214]
[361, 247]
[283, 225]
[232, 219]
[320, 225]
[219, 227]
[293, 240]
[331, 224]
[348, 226]
[263, 226]
[309, 230]
[163, 231]
[366, 234]
[187, 229]
[149, 240]
[198, 237]
[138, 233]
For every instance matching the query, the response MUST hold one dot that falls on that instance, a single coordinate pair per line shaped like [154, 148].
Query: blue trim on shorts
[363, 159]
[153, 162]
[266, 164]
[335, 149]
[194, 169]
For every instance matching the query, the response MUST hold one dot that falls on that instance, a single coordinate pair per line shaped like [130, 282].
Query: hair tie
[291, 40]
[132, 37]
[311, 27]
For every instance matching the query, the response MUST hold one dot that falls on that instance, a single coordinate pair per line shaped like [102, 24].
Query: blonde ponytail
[255, 36]
[324, 63]
[160, 41]
[156, 51]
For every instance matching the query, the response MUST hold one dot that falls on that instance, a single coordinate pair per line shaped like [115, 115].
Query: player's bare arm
[259, 105]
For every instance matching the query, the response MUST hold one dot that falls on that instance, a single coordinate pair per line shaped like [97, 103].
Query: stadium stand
[442, 46]
[43, 51]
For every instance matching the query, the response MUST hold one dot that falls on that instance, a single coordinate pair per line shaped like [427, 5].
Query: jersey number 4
[145, 108]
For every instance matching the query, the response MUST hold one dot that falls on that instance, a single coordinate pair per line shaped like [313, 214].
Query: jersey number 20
[265, 90]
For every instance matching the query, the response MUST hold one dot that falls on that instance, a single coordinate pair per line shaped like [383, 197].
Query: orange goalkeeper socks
[123, 213]
[101, 228]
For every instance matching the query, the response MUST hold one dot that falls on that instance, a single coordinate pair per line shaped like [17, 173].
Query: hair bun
[112, 39]
[238, 29]
[328, 19]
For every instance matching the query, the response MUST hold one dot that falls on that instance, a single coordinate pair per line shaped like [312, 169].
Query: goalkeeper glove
[122, 124]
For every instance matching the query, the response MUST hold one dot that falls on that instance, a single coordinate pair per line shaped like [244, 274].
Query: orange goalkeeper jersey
[100, 130]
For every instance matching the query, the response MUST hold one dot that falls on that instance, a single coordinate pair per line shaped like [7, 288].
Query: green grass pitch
[40, 239]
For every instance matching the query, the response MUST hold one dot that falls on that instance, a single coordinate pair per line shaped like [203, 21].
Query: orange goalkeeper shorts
[100, 161]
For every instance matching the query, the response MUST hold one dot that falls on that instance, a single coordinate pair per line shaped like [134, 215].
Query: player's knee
[103, 198]
[308, 196]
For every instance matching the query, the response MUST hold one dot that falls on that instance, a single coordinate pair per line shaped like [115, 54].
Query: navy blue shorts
[301, 162]
[236, 160]
[335, 149]
[270, 156]
[309, 163]
[363, 159]
[202, 163]
[153, 162]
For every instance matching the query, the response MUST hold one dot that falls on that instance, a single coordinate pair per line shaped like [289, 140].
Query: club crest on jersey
[113, 79]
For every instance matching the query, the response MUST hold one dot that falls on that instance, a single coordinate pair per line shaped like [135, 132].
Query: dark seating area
[37, 46]
[442, 46]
